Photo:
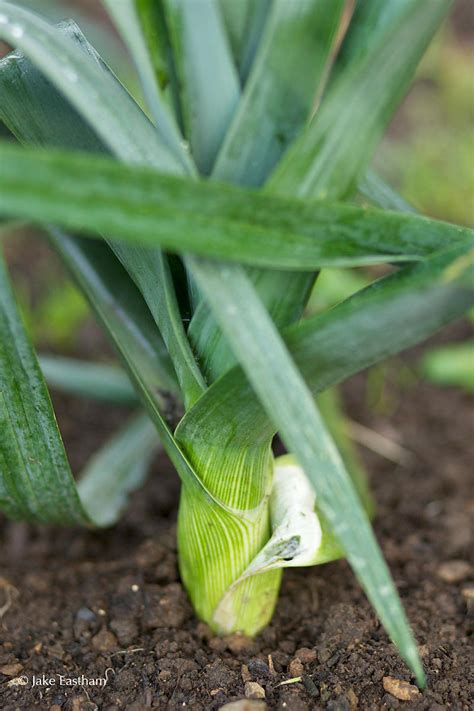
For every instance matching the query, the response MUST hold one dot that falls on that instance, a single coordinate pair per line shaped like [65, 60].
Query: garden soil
[79, 606]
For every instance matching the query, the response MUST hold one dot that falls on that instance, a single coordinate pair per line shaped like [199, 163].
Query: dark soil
[110, 604]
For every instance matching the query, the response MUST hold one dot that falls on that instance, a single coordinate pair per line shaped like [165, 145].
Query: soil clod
[402, 690]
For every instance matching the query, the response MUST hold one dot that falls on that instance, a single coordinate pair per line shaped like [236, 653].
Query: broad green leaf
[379, 193]
[103, 103]
[99, 33]
[117, 469]
[120, 309]
[143, 265]
[257, 15]
[287, 74]
[128, 15]
[332, 154]
[392, 314]
[100, 381]
[209, 83]
[234, 15]
[297, 41]
[360, 331]
[98, 195]
[36, 483]
[290, 406]
[35, 479]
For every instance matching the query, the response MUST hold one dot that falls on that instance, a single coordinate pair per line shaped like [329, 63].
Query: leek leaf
[331, 155]
[36, 482]
[101, 381]
[120, 309]
[117, 469]
[276, 380]
[35, 479]
[97, 195]
[127, 15]
[209, 82]
[149, 268]
[391, 314]
[234, 15]
[274, 107]
[103, 103]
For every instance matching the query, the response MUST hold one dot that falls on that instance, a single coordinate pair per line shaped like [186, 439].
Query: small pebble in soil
[454, 571]
[295, 668]
[245, 673]
[104, 641]
[310, 687]
[239, 644]
[468, 597]
[85, 623]
[306, 655]
[245, 705]
[400, 689]
[253, 690]
[12, 669]
[258, 668]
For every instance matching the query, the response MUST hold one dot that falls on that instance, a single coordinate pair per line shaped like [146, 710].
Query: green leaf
[35, 479]
[99, 33]
[103, 103]
[143, 265]
[101, 381]
[379, 193]
[209, 83]
[296, 42]
[128, 15]
[97, 195]
[120, 309]
[276, 380]
[393, 313]
[36, 483]
[234, 15]
[331, 156]
[257, 15]
[117, 469]
[370, 19]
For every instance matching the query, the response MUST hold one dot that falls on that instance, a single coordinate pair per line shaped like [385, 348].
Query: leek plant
[195, 222]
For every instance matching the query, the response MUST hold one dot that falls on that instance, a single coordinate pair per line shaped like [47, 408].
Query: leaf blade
[276, 379]
[209, 83]
[35, 478]
[54, 121]
[97, 195]
[331, 156]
